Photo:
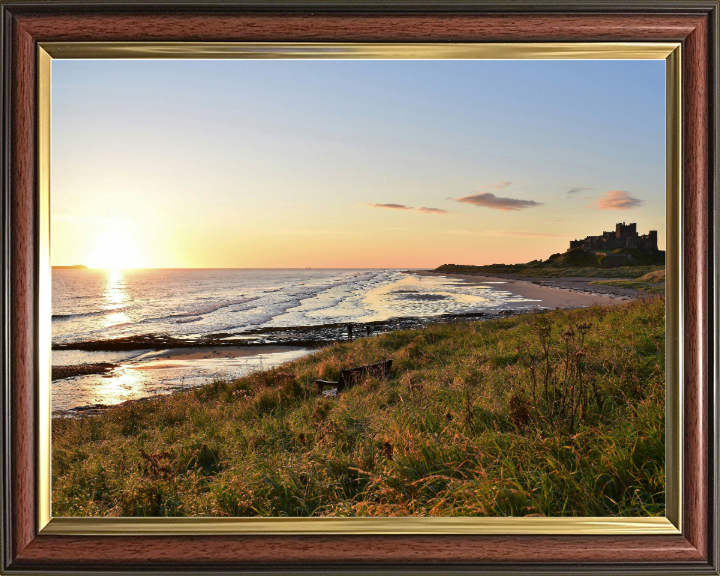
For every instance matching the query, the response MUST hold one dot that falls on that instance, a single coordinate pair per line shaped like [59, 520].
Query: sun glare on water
[116, 245]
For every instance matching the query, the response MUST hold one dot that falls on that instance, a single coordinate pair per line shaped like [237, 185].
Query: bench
[350, 376]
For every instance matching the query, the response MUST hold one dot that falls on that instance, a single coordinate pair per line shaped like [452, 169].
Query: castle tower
[625, 231]
[653, 239]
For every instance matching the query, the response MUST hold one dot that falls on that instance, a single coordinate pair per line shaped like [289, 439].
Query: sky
[349, 163]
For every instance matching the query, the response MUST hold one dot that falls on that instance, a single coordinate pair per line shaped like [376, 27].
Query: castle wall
[624, 235]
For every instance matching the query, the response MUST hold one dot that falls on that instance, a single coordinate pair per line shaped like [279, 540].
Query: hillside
[462, 427]
[621, 263]
[653, 282]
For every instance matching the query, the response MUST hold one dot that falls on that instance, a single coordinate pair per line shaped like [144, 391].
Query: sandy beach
[549, 292]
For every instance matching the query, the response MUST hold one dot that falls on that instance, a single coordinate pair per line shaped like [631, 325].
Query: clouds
[423, 209]
[389, 206]
[489, 200]
[576, 190]
[618, 200]
[496, 185]
[611, 200]
[484, 199]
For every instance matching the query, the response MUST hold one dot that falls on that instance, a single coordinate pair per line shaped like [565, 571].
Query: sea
[92, 305]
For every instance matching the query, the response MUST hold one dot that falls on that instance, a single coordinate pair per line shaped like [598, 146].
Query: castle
[623, 236]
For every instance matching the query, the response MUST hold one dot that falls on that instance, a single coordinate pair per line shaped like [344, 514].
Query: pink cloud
[618, 200]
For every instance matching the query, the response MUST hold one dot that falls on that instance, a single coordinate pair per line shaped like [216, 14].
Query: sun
[116, 245]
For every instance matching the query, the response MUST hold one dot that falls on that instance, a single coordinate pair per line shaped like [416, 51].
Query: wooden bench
[350, 376]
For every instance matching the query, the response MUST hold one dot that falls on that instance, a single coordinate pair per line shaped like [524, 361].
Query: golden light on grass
[494, 418]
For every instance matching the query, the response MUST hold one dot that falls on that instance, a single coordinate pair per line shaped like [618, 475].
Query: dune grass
[651, 288]
[657, 277]
[652, 282]
[560, 413]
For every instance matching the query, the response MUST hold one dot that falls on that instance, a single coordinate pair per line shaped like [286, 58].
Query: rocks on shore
[306, 336]
[60, 372]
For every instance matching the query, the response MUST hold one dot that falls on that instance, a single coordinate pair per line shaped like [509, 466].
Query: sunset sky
[349, 164]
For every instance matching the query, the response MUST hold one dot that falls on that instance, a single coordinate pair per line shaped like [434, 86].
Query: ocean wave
[176, 304]
[195, 313]
[88, 314]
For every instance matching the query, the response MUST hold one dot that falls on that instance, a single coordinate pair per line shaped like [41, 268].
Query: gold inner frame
[670, 524]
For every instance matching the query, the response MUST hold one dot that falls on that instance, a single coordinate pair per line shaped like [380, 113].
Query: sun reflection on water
[126, 385]
[115, 290]
[116, 319]
[160, 375]
[116, 297]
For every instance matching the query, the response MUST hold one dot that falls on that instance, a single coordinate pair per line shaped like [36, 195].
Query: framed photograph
[359, 287]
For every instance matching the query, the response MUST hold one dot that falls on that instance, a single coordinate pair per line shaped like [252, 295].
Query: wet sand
[548, 292]
[163, 372]
[217, 360]
[151, 360]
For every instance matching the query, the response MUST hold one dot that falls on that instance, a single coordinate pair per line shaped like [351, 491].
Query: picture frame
[32, 543]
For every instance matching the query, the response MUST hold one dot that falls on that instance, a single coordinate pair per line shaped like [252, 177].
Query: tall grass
[462, 427]
[652, 282]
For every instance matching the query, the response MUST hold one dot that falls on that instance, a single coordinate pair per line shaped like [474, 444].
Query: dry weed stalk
[561, 389]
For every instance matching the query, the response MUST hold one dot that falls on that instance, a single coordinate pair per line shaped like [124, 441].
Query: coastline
[548, 293]
[163, 360]
[568, 292]
[93, 388]
[306, 336]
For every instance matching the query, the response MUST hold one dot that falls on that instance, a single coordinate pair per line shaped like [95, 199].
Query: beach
[109, 369]
[566, 292]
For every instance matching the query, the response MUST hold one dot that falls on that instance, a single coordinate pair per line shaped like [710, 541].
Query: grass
[657, 277]
[652, 282]
[635, 284]
[560, 413]
[625, 272]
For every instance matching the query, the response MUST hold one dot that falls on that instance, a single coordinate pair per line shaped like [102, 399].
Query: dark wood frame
[24, 24]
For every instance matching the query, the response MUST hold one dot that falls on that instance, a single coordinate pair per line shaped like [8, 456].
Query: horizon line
[75, 267]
